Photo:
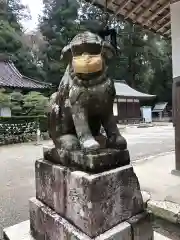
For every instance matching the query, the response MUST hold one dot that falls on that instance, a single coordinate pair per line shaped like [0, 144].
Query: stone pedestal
[74, 204]
[47, 224]
[95, 162]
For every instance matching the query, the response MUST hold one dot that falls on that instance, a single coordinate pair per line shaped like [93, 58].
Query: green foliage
[35, 103]
[11, 39]
[30, 104]
[161, 63]
[5, 100]
[16, 103]
[13, 11]
[58, 27]
[16, 96]
[144, 59]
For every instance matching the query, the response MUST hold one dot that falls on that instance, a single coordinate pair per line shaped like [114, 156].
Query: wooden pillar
[134, 108]
[175, 31]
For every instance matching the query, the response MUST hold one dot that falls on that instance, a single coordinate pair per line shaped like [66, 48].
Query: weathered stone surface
[105, 159]
[146, 197]
[84, 102]
[21, 231]
[96, 203]
[121, 231]
[46, 151]
[93, 202]
[141, 227]
[55, 155]
[50, 185]
[97, 161]
[46, 224]
[165, 210]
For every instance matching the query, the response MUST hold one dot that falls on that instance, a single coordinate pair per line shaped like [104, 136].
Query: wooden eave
[151, 14]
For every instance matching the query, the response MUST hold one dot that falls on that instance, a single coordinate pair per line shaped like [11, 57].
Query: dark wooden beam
[158, 11]
[135, 8]
[159, 19]
[144, 11]
[121, 6]
[174, 1]
[163, 26]
[109, 2]
[167, 31]
[120, 16]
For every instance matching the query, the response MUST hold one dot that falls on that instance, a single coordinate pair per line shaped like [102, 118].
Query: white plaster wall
[175, 31]
[5, 112]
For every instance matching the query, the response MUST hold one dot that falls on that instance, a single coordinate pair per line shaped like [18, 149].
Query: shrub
[35, 103]
[5, 99]
[16, 103]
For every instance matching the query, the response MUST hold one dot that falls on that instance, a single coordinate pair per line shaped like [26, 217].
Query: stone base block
[141, 227]
[46, 224]
[95, 162]
[51, 185]
[93, 202]
[22, 231]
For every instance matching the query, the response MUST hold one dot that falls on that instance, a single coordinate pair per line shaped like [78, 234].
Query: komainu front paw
[121, 142]
[118, 142]
[90, 144]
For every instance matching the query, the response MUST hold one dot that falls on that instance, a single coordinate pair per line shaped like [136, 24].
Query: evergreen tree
[13, 11]
[11, 35]
[143, 59]
[160, 58]
[58, 26]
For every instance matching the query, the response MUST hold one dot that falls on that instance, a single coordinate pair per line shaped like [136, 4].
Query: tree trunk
[131, 58]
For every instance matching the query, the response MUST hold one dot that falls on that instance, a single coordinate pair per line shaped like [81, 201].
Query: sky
[35, 7]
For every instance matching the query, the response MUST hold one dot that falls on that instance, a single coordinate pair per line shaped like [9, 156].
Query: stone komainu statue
[84, 101]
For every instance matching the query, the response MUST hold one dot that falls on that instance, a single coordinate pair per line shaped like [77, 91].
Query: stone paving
[147, 142]
[17, 168]
[158, 236]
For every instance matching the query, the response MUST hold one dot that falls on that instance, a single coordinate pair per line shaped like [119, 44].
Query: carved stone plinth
[141, 226]
[72, 203]
[47, 224]
[94, 162]
[92, 202]
[50, 185]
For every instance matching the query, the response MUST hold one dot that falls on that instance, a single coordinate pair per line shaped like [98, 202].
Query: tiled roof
[123, 90]
[11, 77]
